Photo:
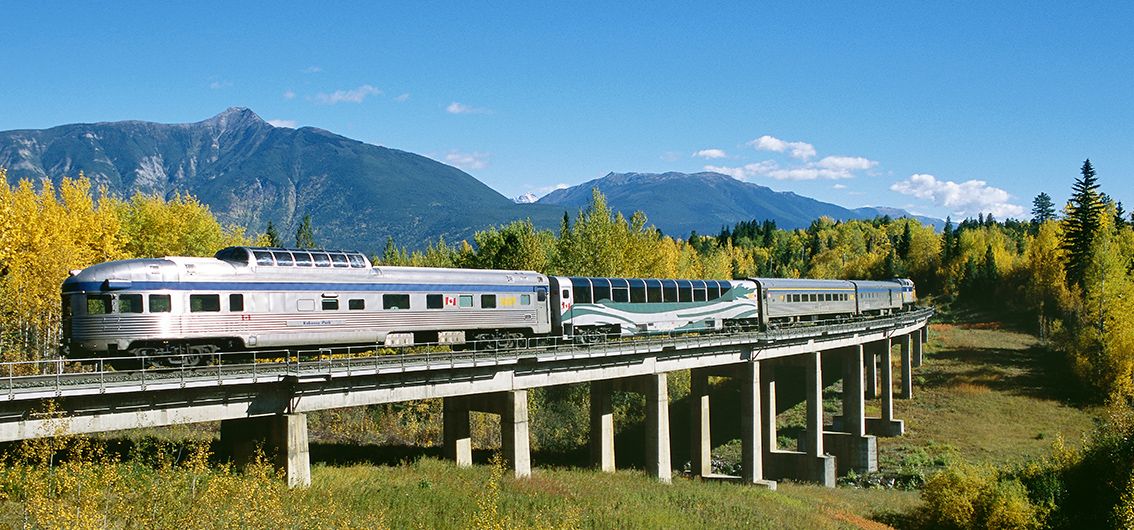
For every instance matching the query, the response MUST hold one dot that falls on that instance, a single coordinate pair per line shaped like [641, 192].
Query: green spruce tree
[273, 235]
[1043, 209]
[305, 234]
[1081, 225]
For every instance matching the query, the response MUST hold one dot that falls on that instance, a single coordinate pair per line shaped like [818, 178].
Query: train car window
[434, 301]
[339, 260]
[601, 289]
[130, 303]
[712, 289]
[321, 259]
[395, 301]
[465, 300]
[302, 259]
[263, 257]
[204, 303]
[700, 295]
[98, 304]
[565, 294]
[330, 304]
[356, 261]
[669, 291]
[236, 303]
[525, 299]
[487, 301]
[637, 292]
[356, 304]
[159, 303]
[541, 295]
[815, 297]
[653, 291]
[684, 291]
[620, 294]
[283, 258]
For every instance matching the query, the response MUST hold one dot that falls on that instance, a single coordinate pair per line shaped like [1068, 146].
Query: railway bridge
[263, 398]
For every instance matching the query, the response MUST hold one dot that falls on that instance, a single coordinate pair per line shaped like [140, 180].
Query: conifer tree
[904, 242]
[1042, 209]
[273, 235]
[1081, 224]
[305, 234]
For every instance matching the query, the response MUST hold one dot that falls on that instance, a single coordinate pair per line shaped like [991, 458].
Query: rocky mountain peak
[234, 117]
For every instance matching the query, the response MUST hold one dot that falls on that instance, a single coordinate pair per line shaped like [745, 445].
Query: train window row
[815, 297]
[875, 295]
[634, 291]
[102, 304]
[278, 257]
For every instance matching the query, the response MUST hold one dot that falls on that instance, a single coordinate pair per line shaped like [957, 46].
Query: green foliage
[305, 234]
[966, 496]
[272, 235]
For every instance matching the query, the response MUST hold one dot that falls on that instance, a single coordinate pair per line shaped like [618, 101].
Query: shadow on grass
[1035, 372]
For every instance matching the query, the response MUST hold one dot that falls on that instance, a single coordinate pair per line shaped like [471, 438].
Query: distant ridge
[679, 203]
[250, 172]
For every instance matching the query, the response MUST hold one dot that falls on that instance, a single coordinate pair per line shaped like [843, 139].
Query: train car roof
[802, 283]
[878, 284]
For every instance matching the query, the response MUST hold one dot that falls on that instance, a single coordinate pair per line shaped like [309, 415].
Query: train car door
[559, 304]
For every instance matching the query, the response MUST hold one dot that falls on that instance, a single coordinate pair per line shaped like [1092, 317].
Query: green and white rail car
[589, 308]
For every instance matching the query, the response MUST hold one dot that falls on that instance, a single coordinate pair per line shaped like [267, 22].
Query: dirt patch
[856, 520]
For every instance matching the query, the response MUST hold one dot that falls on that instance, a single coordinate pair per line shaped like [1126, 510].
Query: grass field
[984, 395]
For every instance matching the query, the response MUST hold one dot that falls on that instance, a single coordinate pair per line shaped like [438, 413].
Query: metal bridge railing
[52, 377]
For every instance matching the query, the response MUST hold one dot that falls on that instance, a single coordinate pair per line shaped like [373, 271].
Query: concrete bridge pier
[854, 450]
[810, 462]
[457, 441]
[870, 357]
[281, 437]
[919, 340]
[602, 426]
[906, 353]
[886, 425]
[658, 463]
[512, 406]
[752, 453]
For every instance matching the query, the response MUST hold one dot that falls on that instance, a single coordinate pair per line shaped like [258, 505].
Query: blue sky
[943, 109]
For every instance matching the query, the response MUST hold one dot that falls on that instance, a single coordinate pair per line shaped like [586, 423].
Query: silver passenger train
[252, 298]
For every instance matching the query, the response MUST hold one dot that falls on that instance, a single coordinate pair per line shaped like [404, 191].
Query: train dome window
[237, 255]
[637, 291]
[581, 290]
[263, 257]
[339, 259]
[321, 259]
[283, 258]
[601, 289]
[684, 291]
[302, 258]
[653, 291]
[357, 261]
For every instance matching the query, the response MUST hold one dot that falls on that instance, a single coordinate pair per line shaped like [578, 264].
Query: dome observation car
[293, 257]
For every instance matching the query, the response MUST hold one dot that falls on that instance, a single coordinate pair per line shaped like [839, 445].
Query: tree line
[1067, 274]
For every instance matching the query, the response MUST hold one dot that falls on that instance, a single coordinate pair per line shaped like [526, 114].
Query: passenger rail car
[278, 298]
[248, 298]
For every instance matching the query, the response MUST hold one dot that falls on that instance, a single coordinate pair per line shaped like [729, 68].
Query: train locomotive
[252, 298]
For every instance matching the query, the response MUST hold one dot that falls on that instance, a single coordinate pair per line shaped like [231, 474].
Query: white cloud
[467, 161]
[839, 187]
[283, 123]
[401, 98]
[800, 150]
[846, 163]
[355, 95]
[217, 85]
[711, 153]
[965, 198]
[289, 94]
[544, 190]
[312, 69]
[461, 108]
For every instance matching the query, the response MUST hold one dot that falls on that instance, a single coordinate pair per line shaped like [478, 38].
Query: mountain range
[678, 203]
[250, 172]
